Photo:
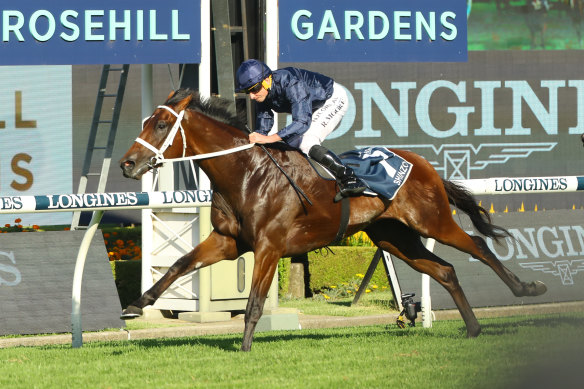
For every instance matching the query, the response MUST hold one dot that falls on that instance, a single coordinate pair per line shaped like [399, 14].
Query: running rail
[99, 203]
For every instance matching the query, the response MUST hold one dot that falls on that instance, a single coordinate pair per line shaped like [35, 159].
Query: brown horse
[255, 208]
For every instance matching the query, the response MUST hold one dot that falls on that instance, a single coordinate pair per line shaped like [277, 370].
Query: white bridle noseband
[158, 157]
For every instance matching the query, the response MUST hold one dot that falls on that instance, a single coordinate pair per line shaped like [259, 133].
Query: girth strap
[345, 213]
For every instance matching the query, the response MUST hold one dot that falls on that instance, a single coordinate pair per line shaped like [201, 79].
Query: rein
[159, 157]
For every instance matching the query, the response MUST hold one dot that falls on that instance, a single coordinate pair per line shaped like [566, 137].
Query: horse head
[158, 140]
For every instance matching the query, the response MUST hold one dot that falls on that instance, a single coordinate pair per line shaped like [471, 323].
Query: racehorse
[255, 208]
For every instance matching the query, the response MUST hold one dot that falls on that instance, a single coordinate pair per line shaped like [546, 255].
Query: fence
[99, 203]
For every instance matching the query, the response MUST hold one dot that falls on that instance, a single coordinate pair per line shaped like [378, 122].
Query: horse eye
[161, 125]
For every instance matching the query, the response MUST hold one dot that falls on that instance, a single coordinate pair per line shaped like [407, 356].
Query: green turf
[489, 29]
[510, 353]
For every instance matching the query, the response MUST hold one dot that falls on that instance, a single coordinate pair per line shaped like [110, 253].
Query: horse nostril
[128, 165]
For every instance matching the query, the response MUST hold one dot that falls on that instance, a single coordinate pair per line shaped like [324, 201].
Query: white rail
[99, 203]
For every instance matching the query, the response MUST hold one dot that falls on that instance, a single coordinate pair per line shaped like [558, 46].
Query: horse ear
[183, 104]
[170, 95]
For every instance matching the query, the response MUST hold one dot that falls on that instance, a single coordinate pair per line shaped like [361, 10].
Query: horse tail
[462, 199]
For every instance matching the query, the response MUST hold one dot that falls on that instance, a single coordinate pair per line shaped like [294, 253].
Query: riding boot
[349, 183]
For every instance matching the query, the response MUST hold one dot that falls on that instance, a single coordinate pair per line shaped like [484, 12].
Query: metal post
[76, 329]
[147, 182]
[426, 298]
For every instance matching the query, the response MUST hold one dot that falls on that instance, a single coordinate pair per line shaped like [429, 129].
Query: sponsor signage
[36, 279]
[501, 114]
[100, 32]
[546, 246]
[372, 31]
[35, 134]
[104, 201]
[508, 185]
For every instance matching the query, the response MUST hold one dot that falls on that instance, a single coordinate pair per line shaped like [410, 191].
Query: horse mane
[214, 107]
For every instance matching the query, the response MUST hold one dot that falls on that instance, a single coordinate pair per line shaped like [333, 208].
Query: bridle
[158, 157]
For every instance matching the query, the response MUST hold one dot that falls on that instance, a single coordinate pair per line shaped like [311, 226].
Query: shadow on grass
[490, 327]
[232, 343]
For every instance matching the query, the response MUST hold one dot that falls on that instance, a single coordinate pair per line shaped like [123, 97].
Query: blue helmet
[250, 73]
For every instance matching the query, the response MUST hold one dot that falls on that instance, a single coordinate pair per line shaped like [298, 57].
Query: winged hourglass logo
[458, 161]
[565, 269]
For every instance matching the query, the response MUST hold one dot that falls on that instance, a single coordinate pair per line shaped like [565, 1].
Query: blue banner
[373, 31]
[37, 32]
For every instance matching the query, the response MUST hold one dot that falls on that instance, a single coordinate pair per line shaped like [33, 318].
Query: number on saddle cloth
[383, 171]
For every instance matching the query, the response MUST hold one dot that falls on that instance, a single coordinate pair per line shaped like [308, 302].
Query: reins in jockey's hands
[256, 137]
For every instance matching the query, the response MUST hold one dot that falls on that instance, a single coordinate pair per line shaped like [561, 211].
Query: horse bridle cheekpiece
[158, 157]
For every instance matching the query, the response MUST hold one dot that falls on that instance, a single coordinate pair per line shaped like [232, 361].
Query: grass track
[508, 354]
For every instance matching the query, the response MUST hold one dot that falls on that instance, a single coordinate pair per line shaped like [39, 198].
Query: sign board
[546, 246]
[501, 114]
[36, 279]
[100, 32]
[373, 31]
[35, 134]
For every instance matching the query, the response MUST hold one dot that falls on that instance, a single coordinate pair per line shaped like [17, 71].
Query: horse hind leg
[518, 287]
[401, 241]
[452, 235]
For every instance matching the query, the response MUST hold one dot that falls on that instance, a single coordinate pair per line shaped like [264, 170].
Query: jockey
[317, 105]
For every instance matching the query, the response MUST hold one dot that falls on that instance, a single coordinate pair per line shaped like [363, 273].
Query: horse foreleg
[263, 274]
[444, 274]
[214, 249]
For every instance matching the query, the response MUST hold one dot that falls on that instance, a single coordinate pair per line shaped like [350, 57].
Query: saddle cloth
[383, 171]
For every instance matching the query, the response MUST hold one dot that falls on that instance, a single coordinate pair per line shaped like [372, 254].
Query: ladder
[229, 39]
[96, 124]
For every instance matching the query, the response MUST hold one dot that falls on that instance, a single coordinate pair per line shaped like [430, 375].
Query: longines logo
[9, 273]
[564, 269]
[458, 161]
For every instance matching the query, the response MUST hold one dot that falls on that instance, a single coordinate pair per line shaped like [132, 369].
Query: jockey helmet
[250, 73]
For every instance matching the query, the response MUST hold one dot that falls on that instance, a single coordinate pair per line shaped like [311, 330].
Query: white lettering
[7, 28]
[75, 32]
[32, 25]
[91, 25]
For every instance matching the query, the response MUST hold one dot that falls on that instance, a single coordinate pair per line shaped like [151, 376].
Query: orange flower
[17, 220]
[7, 225]
[106, 235]
[35, 227]
[120, 242]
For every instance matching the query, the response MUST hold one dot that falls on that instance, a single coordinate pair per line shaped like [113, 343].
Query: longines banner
[35, 135]
[502, 114]
[36, 279]
[372, 31]
[100, 32]
[546, 246]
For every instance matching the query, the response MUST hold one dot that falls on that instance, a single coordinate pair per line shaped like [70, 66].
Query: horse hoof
[539, 288]
[131, 312]
[474, 332]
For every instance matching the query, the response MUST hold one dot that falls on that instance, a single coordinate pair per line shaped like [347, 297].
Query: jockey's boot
[349, 183]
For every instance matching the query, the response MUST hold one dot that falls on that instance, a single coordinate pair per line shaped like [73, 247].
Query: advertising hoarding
[35, 135]
[501, 114]
[372, 31]
[100, 32]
